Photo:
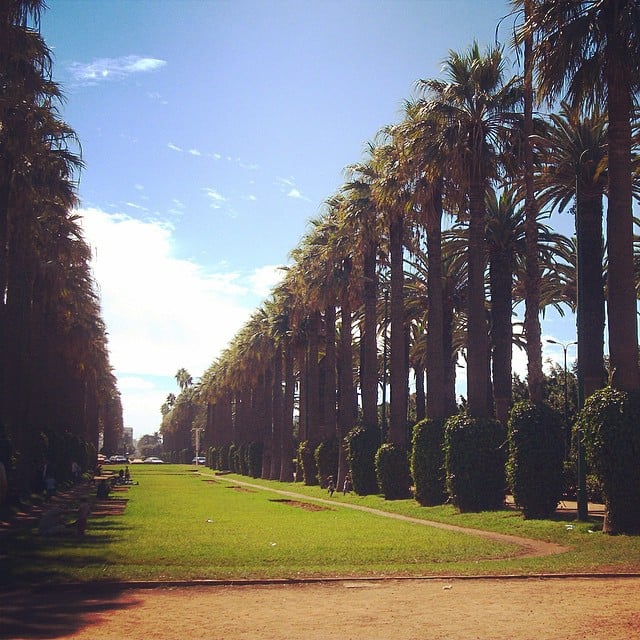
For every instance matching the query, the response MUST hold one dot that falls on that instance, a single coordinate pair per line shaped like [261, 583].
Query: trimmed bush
[392, 471]
[536, 456]
[427, 462]
[475, 462]
[362, 444]
[610, 424]
[326, 458]
[307, 460]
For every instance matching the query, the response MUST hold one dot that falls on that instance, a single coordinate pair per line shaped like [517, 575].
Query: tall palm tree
[479, 108]
[591, 48]
[573, 155]
[392, 191]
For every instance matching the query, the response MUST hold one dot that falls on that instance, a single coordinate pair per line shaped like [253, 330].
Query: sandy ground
[458, 609]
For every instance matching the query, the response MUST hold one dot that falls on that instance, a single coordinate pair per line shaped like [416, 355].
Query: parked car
[118, 460]
[199, 460]
[153, 460]
[137, 461]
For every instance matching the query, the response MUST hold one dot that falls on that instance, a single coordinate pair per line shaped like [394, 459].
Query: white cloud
[113, 68]
[288, 187]
[194, 152]
[264, 279]
[173, 147]
[161, 312]
[216, 198]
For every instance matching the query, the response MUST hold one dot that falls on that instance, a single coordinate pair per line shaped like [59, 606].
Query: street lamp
[581, 493]
[197, 431]
[565, 346]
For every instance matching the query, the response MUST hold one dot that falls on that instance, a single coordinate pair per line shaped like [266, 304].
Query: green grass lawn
[183, 523]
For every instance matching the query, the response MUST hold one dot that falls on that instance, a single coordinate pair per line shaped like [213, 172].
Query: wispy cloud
[216, 199]
[288, 187]
[173, 147]
[104, 69]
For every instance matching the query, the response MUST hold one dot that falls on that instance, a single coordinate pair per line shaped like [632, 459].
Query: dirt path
[460, 609]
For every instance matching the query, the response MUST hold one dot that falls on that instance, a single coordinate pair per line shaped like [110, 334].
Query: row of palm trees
[56, 384]
[376, 276]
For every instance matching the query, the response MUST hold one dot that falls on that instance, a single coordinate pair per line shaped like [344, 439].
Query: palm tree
[573, 155]
[183, 379]
[392, 193]
[591, 48]
[478, 109]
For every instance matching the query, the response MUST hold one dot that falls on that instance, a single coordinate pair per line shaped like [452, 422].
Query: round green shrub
[326, 458]
[610, 426]
[427, 462]
[362, 444]
[392, 471]
[475, 454]
[536, 456]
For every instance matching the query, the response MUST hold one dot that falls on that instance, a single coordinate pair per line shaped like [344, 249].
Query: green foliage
[392, 472]
[536, 456]
[427, 462]
[326, 459]
[254, 458]
[475, 462]
[362, 444]
[308, 463]
[610, 425]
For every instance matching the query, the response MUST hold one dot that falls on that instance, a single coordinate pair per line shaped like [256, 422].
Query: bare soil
[460, 609]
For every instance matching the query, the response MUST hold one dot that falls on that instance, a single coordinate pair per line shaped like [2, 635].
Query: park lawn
[589, 550]
[185, 523]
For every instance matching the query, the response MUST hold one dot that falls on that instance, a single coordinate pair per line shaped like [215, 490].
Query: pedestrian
[331, 485]
[347, 486]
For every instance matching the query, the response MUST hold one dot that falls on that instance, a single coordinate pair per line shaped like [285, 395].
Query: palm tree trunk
[278, 408]
[477, 338]
[590, 305]
[346, 402]
[398, 365]
[501, 333]
[435, 362]
[329, 422]
[369, 360]
[621, 299]
[535, 377]
[286, 434]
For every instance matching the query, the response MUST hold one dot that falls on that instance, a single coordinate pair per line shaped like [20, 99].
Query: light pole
[581, 493]
[197, 432]
[565, 346]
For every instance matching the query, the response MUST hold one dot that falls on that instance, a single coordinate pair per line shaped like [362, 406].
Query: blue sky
[212, 131]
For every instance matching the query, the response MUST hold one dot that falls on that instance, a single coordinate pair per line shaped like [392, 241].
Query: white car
[153, 460]
[199, 460]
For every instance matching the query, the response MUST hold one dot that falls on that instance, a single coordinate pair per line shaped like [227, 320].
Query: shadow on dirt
[56, 611]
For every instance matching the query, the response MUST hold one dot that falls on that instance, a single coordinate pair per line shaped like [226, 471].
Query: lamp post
[565, 346]
[581, 493]
[197, 431]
